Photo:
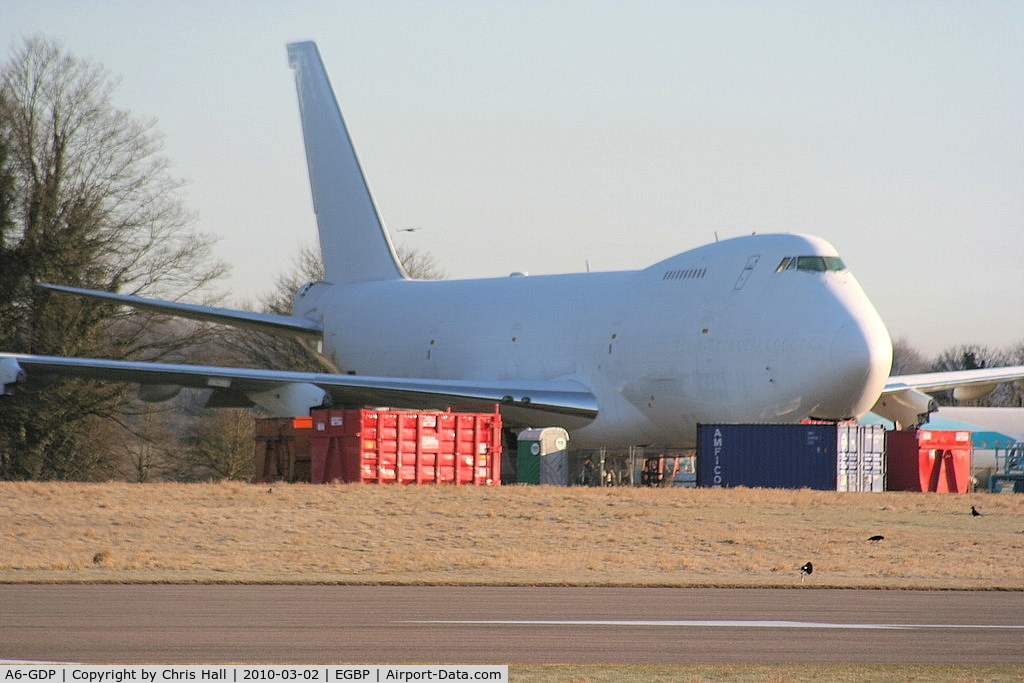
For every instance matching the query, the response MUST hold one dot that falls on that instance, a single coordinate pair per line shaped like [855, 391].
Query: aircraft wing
[266, 322]
[904, 399]
[561, 401]
[936, 381]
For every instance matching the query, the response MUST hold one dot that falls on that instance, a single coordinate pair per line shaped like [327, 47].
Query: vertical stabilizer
[354, 244]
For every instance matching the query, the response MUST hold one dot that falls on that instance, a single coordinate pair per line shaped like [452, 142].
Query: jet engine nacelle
[969, 392]
[158, 393]
[289, 400]
[11, 374]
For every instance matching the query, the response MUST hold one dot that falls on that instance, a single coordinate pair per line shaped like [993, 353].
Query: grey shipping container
[826, 457]
[860, 458]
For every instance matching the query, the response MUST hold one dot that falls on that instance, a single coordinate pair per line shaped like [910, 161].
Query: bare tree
[220, 446]
[420, 264]
[966, 357]
[86, 199]
[906, 360]
[1014, 355]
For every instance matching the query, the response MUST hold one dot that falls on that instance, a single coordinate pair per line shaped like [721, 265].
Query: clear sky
[546, 136]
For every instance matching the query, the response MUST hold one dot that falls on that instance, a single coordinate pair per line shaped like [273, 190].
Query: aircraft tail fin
[353, 241]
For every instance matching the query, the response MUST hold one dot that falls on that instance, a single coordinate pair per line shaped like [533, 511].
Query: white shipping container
[860, 458]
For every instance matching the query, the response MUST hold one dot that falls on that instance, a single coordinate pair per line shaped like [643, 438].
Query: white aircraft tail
[354, 244]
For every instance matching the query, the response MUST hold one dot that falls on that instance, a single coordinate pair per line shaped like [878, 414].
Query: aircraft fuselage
[713, 334]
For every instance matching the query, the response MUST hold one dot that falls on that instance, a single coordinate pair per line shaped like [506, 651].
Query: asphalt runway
[175, 624]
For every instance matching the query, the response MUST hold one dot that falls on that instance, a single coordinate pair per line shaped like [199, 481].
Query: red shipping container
[928, 460]
[406, 447]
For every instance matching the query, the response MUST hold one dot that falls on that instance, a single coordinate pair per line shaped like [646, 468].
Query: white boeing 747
[761, 328]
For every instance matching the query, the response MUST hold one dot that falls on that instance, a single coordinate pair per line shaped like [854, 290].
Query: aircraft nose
[860, 357]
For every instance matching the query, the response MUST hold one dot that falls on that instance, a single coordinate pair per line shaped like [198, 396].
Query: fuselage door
[747, 270]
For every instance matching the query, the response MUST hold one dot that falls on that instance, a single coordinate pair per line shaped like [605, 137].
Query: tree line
[88, 199]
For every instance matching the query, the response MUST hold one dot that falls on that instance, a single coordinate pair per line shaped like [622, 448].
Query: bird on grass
[877, 537]
[806, 570]
[974, 512]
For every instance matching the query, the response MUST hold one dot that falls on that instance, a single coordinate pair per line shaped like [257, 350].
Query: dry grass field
[365, 534]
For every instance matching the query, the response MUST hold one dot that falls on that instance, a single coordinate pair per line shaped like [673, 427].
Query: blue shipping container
[787, 456]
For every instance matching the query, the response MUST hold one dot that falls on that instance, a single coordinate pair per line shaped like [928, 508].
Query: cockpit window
[811, 264]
